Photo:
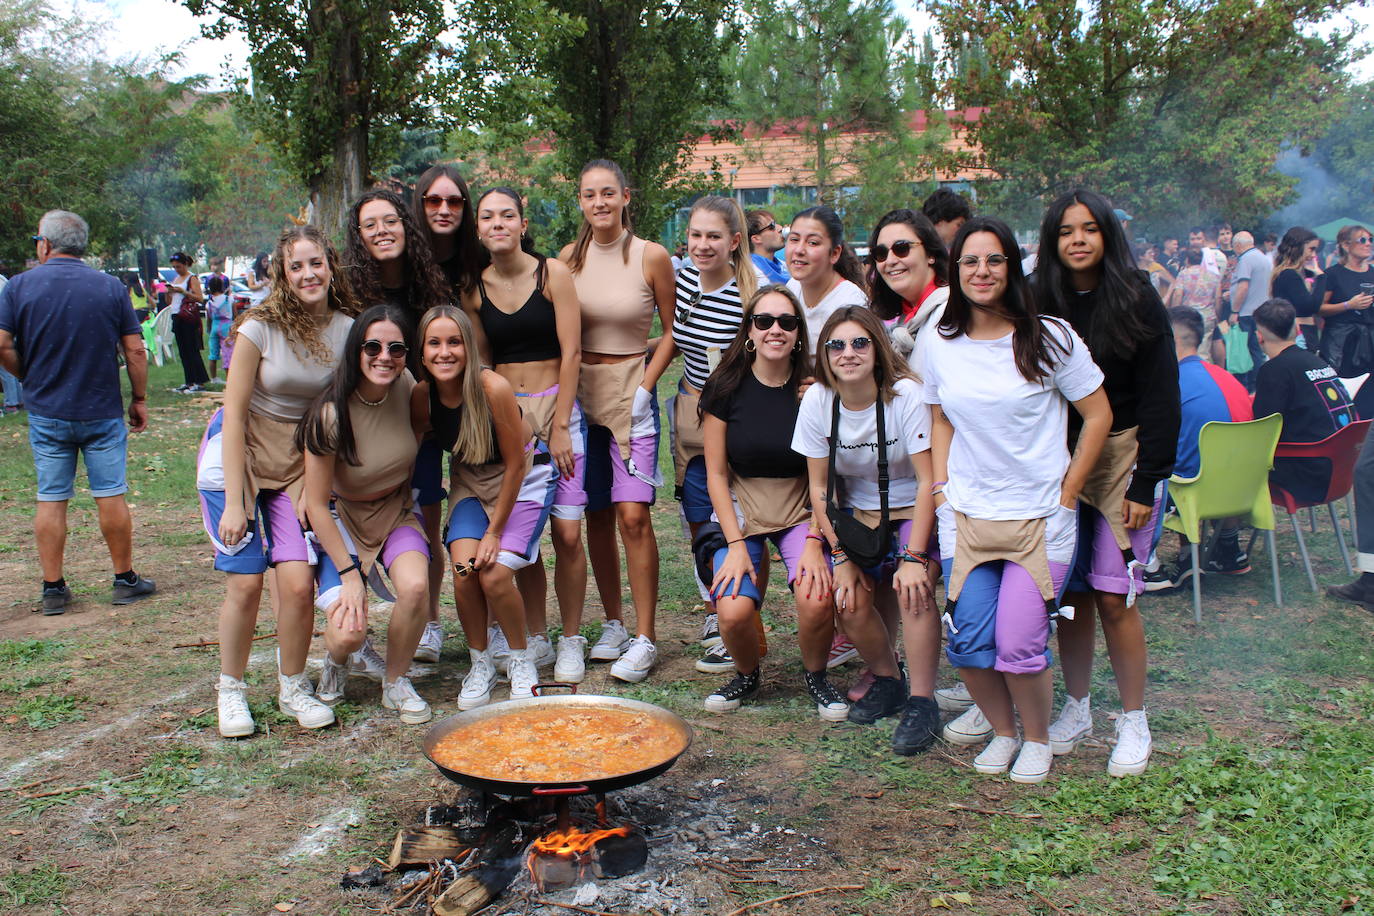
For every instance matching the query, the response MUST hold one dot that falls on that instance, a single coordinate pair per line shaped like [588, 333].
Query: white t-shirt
[256, 296]
[839, 297]
[906, 423]
[289, 377]
[1010, 448]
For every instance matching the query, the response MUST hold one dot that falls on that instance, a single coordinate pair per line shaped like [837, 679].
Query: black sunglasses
[1361, 240]
[395, 349]
[901, 248]
[684, 312]
[836, 345]
[786, 322]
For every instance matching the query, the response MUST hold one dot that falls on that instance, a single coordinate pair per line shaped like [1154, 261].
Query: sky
[154, 26]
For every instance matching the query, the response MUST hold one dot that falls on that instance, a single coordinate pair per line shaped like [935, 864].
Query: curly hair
[426, 283]
[283, 309]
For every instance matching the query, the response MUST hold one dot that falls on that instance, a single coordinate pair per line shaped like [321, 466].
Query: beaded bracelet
[907, 555]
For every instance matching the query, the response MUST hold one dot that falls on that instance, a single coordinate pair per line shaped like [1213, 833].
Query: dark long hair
[1116, 328]
[1289, 254]
[425, 282]
[888, 367]
[315, 435]
[526, 240]
[881, 298]
[259, 266]
[469, 255]
[848, 265]
[578, 258]
[738, 361]
[1032, 346]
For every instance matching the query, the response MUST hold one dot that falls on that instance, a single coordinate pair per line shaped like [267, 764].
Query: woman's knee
[736, 613]
[497, 581]
[635, 523]
[567, 539]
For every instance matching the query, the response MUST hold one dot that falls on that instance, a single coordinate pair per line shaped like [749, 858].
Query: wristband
[144, 398]
[735, 541]
[838, 559]
[348, 569]
[937, 486]
[907, 555]
[838, 552]
[816, 537]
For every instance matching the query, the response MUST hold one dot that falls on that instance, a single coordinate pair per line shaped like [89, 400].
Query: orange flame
[573, 842]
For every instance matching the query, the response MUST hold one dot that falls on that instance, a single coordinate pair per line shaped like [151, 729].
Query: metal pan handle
[539, 688]
[564, 790]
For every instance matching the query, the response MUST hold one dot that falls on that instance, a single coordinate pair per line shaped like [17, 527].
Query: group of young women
[880, 431]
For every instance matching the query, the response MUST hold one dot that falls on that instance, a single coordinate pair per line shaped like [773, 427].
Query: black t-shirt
[1304, 388]
[759, 421]
[1344, 284]
[1292, 286]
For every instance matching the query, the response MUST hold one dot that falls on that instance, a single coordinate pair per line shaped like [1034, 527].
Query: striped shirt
[704, 324]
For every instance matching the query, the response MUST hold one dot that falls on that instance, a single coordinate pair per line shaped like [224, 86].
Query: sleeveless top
[617, 303]
[446, 422]
[527, 335]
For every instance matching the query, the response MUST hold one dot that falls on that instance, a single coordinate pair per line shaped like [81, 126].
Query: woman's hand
[912, 584]
[848, 580]
[1135, 515]
[233, 524]
[488, 549]
[813, 573]
[350, 613]
[561, 450]
[1360, 302]
[736, 567]
[1069, 500]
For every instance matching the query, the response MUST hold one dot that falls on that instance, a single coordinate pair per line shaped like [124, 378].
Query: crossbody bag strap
[882, 457]
[834, 438]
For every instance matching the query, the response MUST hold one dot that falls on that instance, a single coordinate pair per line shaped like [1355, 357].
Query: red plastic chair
[1341, 448]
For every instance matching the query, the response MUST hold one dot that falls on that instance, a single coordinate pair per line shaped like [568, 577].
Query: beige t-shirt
[289, 376]
[383, 442]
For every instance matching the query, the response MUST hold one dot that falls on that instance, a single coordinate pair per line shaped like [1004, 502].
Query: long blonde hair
[474, 445]
[283, 309]
[728, 209]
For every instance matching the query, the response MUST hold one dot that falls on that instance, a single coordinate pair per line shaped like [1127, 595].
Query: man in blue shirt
[765, 241]
[62, 326]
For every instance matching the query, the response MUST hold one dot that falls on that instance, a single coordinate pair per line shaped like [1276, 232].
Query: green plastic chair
[1232, 480]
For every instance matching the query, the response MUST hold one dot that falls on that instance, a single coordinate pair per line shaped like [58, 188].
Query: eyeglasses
[836, 345]
[786, 322]
[683, 312]
[971, 261]
[900, 248]
[372, 225]
[395, 349]
[1361, 240]
[40, 238]
[435, 201]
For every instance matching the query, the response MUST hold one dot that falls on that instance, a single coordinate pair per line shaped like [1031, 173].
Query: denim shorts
[103, 445]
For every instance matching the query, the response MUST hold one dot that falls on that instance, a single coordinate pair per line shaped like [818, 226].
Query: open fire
[571, 856]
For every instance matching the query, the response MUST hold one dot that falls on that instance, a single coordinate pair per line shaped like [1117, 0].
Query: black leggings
[188, 350]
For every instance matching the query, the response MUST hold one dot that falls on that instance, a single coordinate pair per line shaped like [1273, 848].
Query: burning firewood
[499, 861]
[420, 845]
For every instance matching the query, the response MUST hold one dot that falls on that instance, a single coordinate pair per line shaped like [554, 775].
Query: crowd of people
[935, 412]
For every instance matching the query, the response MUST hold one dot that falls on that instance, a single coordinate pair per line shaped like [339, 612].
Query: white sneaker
[497, 646]
[953, 699]
[431, 643]
[710, 632]
[523, 674]
[235, 721]
[1133, 745]
[541, 650]
[997, 756]
[330, 689]
[1033, 763]
[479, 681]
[400, 695]
[367, 663]
[296, 698]
[971, 728]
[614, 640]
[1074, 725]
[570, 668]
[634, 663]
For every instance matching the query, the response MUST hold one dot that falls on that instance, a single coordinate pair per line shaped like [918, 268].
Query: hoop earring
[796, 347]
[749, 345]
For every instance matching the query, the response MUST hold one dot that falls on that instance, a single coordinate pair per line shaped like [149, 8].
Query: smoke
[1314, 203]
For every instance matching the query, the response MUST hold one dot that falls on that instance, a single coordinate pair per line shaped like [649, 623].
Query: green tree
[1174, 108]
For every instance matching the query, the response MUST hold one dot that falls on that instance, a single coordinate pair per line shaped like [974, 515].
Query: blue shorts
[428, 479]
[695, 499]
[247, 557]
[103, 444]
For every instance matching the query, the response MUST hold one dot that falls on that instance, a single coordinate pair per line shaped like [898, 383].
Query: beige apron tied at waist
[370, 522]
[1105, 491]
[771, 504]
[272, 461]
[539, 411]
[688, 439]
[483, 481]
[607, 393]
[1019, 541]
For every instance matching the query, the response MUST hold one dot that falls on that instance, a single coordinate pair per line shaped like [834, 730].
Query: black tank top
[527, 336]
[446, 421]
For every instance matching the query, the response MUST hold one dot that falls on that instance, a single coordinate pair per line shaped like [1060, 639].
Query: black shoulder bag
[865, 546]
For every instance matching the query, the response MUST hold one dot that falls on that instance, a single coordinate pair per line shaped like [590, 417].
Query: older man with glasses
[62, 326]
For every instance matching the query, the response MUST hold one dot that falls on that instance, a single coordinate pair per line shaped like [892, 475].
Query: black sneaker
[884, 698]
[125, 593]
[916, 732]
[1160, 580]
[716, 660]
[831, 705]
[740, 688]
[1227, 559]
[55, 601]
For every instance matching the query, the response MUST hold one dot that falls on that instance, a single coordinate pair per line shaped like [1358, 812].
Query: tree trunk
[344, 176]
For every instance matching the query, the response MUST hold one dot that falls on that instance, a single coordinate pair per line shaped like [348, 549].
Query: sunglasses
[971, 261]
[683, 312]
[40, 238]
[1361, 240]
[836, 345]
[395, 349]
[435, 201]
[786, 322]
[901, 248]
[462, 570]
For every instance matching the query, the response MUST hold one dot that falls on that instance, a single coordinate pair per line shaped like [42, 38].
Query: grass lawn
[1260, 798]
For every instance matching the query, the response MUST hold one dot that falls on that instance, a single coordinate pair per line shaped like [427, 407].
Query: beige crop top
[289, 377]
[617, 302]
[384, 443]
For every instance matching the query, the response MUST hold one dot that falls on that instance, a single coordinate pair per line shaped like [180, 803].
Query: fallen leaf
[88, 657]
[10, 720]
[314, 825]
[939, 903]
[171, 809]
[961, 897]
[16, 833]
[878, 794]
[168, 715]
[284, 907]
[197, 711]
[1253, 602]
